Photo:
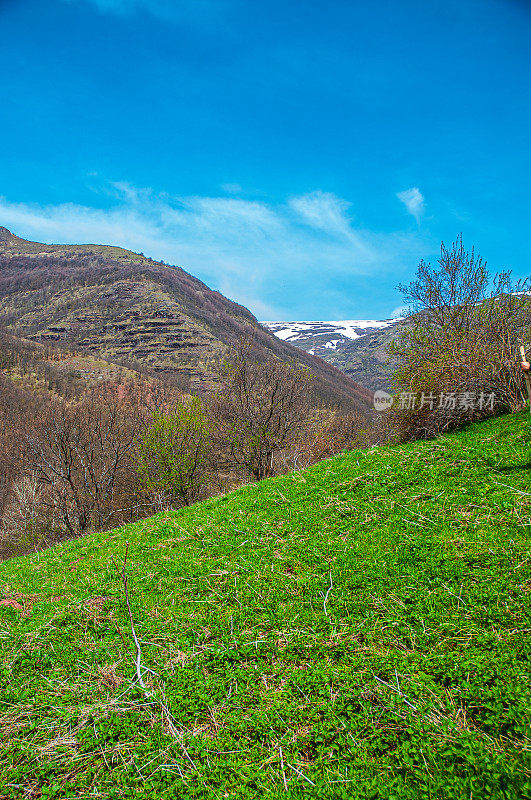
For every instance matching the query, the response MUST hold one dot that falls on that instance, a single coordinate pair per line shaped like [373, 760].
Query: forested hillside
[123, 306]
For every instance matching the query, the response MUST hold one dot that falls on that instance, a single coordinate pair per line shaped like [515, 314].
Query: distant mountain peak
[334, 330]
[356, 346]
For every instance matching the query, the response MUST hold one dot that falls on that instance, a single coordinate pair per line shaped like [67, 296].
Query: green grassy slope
[358, 630]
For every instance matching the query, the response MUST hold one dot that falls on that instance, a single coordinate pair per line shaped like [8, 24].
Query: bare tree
[448, 293]
[262, 408]
[83, 454]
[27, 523]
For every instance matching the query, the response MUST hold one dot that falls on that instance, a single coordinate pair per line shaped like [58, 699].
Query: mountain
[357, 347]
[326, 335]
[122, 306]
[39, 368]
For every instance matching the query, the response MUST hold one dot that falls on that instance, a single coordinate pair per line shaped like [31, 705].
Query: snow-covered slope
[316, 336]
[358, 347]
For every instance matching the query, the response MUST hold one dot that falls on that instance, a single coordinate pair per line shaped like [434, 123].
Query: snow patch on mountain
[345, 329]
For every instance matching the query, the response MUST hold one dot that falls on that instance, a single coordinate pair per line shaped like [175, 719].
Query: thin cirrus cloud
[413, 201]
[327, 212]
[298, 259]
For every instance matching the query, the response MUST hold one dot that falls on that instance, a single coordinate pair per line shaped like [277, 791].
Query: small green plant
[173, 455]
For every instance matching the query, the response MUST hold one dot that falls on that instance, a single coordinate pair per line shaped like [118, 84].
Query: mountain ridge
[125, 306]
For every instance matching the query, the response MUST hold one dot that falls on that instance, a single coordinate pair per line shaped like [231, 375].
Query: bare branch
[138, 657]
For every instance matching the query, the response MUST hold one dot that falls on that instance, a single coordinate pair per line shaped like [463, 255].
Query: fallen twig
[325, 596]
[394, 689]
[138, 657]
[149, 695]
[518, 491]
[283, 770]
[302, 775]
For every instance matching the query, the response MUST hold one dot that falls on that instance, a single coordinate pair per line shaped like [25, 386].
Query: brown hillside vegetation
[122, 306]
[88, 444]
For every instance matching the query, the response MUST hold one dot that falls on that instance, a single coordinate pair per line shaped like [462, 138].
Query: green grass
[411, 681]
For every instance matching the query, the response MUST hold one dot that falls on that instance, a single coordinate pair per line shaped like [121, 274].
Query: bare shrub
[28, 522]
[83, 454]
[328, 433]
[462, 342]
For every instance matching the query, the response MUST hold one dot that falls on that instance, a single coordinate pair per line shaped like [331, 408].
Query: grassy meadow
[357, 630]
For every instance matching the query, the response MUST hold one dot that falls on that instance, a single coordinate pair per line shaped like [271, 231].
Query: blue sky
[299, 156]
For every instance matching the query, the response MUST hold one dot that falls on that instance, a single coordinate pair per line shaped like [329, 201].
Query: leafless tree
[83, 454]
[448, 293]
[26, 521]
[463, 337]
[262, 408]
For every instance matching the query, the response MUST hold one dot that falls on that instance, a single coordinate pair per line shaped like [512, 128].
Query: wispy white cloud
[413, 201]
[278, 259]
[327, 212]
[323, 210]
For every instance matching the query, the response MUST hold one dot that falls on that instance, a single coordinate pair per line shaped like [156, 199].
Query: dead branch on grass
[326, 596]
[138, 656]
[149, 695]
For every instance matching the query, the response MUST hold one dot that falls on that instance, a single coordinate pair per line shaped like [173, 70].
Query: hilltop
[356, 630]
[122, 306]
